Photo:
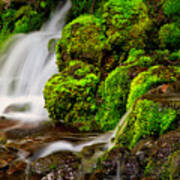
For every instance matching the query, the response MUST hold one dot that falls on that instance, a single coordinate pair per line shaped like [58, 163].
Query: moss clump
[146, 119]
[169, 36]
[156, 75]
[137, 57]
[113, 92]
[23, 17]
[70, 96]
[84, 39]
[127, 22]
[80, 7]
[175, 56]
[172, 8]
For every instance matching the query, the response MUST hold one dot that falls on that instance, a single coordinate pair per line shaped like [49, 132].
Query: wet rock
[63, 165]
[150, 159]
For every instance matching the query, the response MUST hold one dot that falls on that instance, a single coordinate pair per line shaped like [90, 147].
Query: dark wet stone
[61, 164]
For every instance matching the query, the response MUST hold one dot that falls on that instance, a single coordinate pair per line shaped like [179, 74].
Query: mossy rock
[127, 22]
[21, 16]
[138, 57]
[147, 118]
[169, 36]
[175, 56]
[155, 76]
[70, 96]
[80, 7]
[172, 8]
[113, 93]
[83, 39]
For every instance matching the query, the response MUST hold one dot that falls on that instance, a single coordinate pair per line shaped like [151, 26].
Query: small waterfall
[25, 67]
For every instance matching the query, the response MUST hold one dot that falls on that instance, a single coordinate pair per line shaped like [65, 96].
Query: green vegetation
[23, 17]
[127, 22]
[172, 8]
[137, 57]
[130, 47]
[156, 75]
[80, 7]
[70, 96]
[82, 39]
[175, 56]
[113, 92]
[146, 119]
[169, 36]
[114, 56]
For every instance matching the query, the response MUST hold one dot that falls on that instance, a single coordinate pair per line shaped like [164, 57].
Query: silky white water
[25, 67]
[108, 139]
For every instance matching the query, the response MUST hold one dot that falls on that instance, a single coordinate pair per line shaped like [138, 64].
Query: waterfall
[25, 66]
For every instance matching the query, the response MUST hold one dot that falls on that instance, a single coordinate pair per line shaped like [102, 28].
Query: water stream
[25, 67]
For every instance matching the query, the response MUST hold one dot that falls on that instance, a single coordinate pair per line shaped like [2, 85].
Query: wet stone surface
[20, 145]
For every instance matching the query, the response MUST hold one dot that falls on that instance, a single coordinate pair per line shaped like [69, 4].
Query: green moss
[84, 39]
[175, 56]
[169, 36]
[172, 8]
[146, 80]
[127, 22]
[70, 96]
[80, 7]
[146, 119]
[137, 57]
[114, 92]
[23, 17]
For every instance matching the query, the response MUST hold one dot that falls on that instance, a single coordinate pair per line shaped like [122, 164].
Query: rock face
[149, 159]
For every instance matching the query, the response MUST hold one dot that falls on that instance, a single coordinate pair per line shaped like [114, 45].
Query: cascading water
[25, 67]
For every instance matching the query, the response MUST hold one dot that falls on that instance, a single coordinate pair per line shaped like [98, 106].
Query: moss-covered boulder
[153, 77]
[83, 7]
[172, 8]
[175, 56]
[70, 96]
[169, 36]
[113, 94]
[147, 118]
[127, 22]
[23, 16]
[83, 39]
[138, 57]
